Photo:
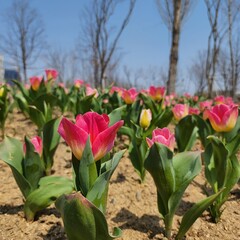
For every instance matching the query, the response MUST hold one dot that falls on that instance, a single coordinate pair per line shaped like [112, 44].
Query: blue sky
[146, 40]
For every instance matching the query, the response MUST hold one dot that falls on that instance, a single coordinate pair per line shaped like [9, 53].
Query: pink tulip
[195, 98]
[219, 99]
[156, 93]
[35, 82]
[194, 111]
[129, 96]
[205, 104]
[163, 136]
[222, 117]
[92, 125]
[78, 83]
[91, 91]
[51, 74]
[37, 143]
[180, 111]
[117, 90]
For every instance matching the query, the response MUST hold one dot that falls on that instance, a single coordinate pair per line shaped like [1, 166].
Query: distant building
[8, 74]
[11, 74]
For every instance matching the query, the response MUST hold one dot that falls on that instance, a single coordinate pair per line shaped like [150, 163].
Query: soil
[131, 206]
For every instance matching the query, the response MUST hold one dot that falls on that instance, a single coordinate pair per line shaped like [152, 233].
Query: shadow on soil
[56, 232]
[148, 224]
[9, 209]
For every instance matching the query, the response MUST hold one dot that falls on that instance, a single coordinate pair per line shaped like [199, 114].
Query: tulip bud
[145, 118]
[35, 82]
[129, 96]
[51, 74]
[83, 220]
[37, 143]
[2, 91]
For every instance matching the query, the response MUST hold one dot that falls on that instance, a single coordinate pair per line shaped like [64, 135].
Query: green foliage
[51, 140]
[83, 220]
[28, 170]
[171, 175]
[222, 170]
[92, 178]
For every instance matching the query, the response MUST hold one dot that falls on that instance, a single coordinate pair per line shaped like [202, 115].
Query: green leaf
[215, 158]
[160, 166]
[187, 165]
[51, 140]
[37, 116]
[204, 129]
[82, 220]
[87, 171]
[232, 176]
[50, 188]
[116, 115]
[99, 191]
[233, 146]
[186, 133]
[193, 213]
[126, 131]
[84, 105]
[137, 152]
[33, 168]
[23, 90]
[11, 152]
[43, 99]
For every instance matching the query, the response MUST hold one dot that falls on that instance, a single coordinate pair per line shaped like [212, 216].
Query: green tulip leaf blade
[233, 146]
[50, 188]
[116, 115]
[33, 167]
[186, 133]
[83, 220]
[36, 116]
[159, 164]
[51, 140]
[215, 158]
[137, 151]
[11, 152]
[187, 165]
[85, 169]
[232, 176]
[195, 212]
[98, 193]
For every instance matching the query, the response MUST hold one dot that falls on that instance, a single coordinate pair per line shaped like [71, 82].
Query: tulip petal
[74, 136]
[96, 124]
[105, 141]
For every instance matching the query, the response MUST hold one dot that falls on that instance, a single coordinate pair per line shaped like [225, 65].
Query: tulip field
[81, 163]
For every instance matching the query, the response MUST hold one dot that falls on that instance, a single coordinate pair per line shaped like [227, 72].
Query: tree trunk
[172, 74]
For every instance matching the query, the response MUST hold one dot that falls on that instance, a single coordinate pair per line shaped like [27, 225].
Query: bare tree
[197, 72]
[23, 40]
[218, 31]
[233, 10]
[99, 39]
[65, 62]
[173, 13]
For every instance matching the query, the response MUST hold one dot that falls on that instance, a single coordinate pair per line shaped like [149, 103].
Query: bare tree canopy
[221, 15]
[23, 40]
[99, 39]
[65, 62]
[173, 13]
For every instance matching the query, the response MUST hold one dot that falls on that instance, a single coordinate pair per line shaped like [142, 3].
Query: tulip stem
[168, 227]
